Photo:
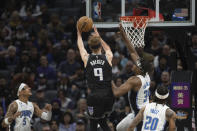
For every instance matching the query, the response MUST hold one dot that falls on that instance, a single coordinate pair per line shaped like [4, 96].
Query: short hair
[94, 42]
[161, 90]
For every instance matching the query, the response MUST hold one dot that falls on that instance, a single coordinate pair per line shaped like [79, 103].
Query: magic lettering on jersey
[26, 113]
[97, 62]
[146, 85]
[154, 111]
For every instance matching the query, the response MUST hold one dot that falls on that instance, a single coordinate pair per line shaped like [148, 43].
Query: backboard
[163, 13]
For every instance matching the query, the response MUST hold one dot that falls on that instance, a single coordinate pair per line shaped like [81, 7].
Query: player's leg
[124, 124]
[93, 124]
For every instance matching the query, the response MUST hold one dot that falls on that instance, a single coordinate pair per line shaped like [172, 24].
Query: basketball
[85, 24]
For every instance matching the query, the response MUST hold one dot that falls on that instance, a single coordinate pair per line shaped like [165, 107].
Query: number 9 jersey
[98, 72]
[154, 117]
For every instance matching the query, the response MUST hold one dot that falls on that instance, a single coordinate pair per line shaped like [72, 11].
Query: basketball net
[134, 27]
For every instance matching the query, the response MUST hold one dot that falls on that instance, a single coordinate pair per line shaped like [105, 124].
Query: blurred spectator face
[194, 40]
[25, 56]
[70, 55]
[42, 79]
[80, 127]
[118, 82]
[166, 50]
[34, 52]
[67, 118]
[55, 105]
[46, 128]
[43, 61]
[82, 104]
[54, 126]
[155, 41]
[129, 66]
[165, 76]
[12, 51]
[74, 87]
[54, 19]
[40, 94]
[115, 61]
[64, 43]
[64, 79]
[162, 62]
[2, 82]
[61, 94]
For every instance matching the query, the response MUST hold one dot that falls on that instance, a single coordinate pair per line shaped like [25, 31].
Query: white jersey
[140, 98]
[154, 117]
[22, 122]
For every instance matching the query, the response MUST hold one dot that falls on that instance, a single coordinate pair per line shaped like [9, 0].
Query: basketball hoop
[134, 27]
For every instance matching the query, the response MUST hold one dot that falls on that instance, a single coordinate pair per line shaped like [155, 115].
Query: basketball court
[138, 17]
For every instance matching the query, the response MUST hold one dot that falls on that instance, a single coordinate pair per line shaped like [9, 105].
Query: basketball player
[154, 115]
[22, 110]
[137, 86]
[98, 76]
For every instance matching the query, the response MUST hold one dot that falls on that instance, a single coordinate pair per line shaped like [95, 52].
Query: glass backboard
[106, 13]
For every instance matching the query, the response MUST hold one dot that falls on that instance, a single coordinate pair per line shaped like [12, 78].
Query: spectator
[56, 106]
[81, 107]
[69, 66]
[80, 125]
[162, 67]
[34, 56]
[45, 69]
[67, 123]
[24, 63]
[54, 125]
[11, 59]
[42, 82]
[41, 125]
[74, 94]
[46, 127]
[1, 118]
[155, 48]
[66, 103]
[116, 64]
[165, 79]
[127, 71]
[40, 98]
[60, 49]
[63, 83]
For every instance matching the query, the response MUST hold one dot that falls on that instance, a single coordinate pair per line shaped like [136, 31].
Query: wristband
[6, 121]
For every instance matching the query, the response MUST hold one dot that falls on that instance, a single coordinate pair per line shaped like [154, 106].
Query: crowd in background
[38, 48]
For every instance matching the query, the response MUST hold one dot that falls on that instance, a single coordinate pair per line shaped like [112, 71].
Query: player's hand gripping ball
[85, 24]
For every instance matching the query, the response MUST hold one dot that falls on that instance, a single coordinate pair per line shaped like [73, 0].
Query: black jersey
[98, 72]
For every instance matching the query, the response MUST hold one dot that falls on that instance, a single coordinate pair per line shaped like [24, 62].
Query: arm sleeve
[46, 115]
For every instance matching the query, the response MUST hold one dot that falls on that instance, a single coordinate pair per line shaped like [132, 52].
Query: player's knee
[120, 127]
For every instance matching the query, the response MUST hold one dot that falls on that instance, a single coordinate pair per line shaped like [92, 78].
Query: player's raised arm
[137, 119]
[11, 114]
[129, 45]
[82, 50]
[171, 118]
[132, 83]
[105, 46]
[45, 114]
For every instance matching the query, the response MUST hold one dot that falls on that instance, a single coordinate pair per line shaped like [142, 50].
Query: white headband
[22, 85]
[161, 96]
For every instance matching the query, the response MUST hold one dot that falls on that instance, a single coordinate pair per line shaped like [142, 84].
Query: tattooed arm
[171, 118]
[11, 114]
[137, 119]
[45, 113]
